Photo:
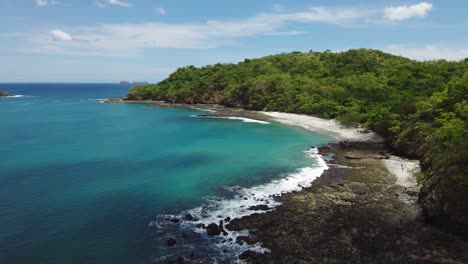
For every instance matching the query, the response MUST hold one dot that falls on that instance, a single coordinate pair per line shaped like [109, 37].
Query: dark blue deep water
[80, 179]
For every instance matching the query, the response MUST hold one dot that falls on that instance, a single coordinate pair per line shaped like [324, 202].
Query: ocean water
[83, 181]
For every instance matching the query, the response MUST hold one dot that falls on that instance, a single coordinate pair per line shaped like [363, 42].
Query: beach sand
[329, 127]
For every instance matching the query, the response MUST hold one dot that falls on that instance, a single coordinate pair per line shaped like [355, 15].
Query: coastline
[362, 209]
[353, 213]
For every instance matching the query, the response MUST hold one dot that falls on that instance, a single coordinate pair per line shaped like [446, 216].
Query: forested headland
[420, 108]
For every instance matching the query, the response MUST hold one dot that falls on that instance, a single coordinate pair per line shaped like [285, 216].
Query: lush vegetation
[420, 107]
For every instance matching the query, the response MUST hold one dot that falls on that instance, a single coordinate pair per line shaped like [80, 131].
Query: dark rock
[227, 219]
[213, 230]
[260, 207]
[224, 232]
[190, 217]
[180, 260]
[200, 226]
[171, 242]
[249, 255]
[174, 220]
[244, 239]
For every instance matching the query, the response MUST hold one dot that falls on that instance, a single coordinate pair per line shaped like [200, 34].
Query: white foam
[204, 109]
[243, 119]
[15, 96]
[100, 100]
[216, 210]
[247, 120]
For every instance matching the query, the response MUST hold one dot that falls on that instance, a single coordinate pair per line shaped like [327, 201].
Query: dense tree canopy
[420, 107]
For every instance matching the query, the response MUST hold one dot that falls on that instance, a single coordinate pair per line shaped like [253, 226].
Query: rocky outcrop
[213, 230]
[354, 213]
[4, 93]
[444, 204]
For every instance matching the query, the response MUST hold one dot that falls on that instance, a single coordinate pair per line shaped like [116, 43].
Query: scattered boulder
[190, 217]
[213, 230]
[227, 219]
[200, 225]
[171, 242]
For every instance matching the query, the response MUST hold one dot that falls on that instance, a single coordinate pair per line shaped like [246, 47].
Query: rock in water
[171, 242]
[190, 217]
[213, 230]
[174, 220]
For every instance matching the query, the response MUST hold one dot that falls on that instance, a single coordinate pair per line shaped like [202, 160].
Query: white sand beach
[329, 127]
[403, 170]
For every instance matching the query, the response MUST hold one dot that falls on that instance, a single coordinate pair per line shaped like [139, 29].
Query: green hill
[419, 107]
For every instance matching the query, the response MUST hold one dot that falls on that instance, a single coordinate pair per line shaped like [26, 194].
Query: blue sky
[112, 40]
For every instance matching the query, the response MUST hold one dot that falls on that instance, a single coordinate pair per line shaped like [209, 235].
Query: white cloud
[131, 39]
[160, 11]
[41, 2]
[118, 3]
[399, 13]
[59, 35]
[99, 4]
[427, 52]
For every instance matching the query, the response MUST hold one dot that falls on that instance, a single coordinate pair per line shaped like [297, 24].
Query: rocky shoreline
[213, 109]
[354, 213]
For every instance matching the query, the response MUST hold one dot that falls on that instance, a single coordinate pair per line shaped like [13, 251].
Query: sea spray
[247, 201]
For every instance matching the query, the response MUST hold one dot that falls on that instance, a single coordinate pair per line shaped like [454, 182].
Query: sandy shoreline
[329, 127]
[401, 168]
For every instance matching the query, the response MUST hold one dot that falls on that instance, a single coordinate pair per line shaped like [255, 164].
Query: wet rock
[174, 220]
[244, 239]
[260, 207]
[227, 219]
[213, 230]
[190, 217]
[249, 255]
[200, 226]
[180, 260]
[171, 242]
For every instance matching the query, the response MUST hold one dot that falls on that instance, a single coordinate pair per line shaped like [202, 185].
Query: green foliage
[420, 178]
[419, 107]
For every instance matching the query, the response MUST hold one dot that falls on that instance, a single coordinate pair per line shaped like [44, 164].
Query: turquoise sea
[83, 181]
